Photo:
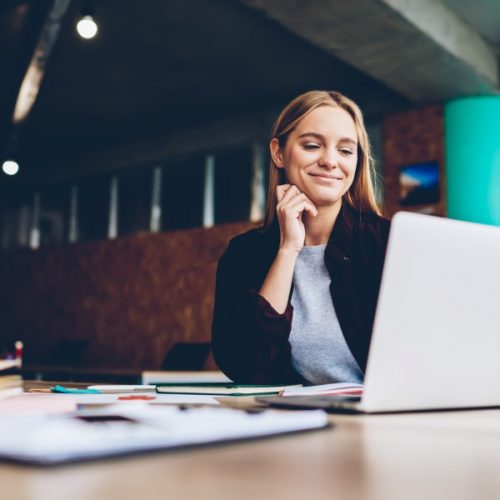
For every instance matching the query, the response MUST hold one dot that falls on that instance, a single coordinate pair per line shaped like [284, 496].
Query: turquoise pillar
[472, 156]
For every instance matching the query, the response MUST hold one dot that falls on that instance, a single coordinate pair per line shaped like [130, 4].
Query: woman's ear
[276, 155]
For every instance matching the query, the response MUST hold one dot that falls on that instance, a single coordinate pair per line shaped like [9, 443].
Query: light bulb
[86, 27]
[10, 167]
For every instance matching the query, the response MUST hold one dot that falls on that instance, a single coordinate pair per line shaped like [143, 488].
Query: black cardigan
[250, 338]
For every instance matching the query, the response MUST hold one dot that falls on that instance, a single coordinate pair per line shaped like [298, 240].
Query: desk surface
[449, 455]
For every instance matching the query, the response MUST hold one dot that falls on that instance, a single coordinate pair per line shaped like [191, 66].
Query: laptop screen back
[436, 337]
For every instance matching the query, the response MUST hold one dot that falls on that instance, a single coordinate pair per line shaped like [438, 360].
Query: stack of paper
[325, 390]
[10, 380]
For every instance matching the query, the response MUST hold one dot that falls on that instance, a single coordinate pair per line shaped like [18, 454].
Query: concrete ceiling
[165, 65]
[422, 49]
[160, 66]
[482, 15]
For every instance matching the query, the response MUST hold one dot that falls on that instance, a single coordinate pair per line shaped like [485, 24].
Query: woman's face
[320, 155]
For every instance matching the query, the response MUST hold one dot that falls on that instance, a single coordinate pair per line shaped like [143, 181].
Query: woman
[295, 300]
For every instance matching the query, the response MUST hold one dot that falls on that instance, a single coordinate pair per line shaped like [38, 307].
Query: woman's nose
[329, 158]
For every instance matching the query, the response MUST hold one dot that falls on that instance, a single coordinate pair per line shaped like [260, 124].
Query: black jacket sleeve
[249, 337]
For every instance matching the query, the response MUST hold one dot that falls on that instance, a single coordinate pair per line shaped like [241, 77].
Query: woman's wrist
[276, 286]
[288, 252]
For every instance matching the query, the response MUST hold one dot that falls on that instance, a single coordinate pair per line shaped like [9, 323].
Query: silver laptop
[436, 336]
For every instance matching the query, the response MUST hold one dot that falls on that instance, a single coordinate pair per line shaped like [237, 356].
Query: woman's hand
[291, 204]
[290, 207]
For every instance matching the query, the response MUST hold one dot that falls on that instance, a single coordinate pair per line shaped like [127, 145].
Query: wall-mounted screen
[419, 183]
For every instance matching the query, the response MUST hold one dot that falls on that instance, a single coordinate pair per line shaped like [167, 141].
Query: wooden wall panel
[129, 298]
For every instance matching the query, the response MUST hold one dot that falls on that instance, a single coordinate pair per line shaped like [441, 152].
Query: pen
[68, 390]
[110, 389]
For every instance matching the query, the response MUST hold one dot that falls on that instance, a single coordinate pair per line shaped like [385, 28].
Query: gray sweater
[319, 351]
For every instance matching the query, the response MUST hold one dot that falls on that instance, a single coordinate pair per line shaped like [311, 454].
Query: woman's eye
[310, 146]
[346, 152]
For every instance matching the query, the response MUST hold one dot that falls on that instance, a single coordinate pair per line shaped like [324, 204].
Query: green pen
[66, 390]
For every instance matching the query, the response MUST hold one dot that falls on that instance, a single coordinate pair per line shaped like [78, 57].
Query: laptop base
[334, 404]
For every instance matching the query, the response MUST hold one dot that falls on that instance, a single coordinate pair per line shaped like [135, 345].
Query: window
[17, 217]
[233, 180]
[93, 208]
[134, 200]
[54, 214]
[182, 194]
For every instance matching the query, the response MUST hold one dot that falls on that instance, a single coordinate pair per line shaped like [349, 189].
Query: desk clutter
[66, 423]
[129, 429]
[10, 380]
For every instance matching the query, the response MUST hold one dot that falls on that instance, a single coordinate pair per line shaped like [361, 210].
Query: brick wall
[411, 137]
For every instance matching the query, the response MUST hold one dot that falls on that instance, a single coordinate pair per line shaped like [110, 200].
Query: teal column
[472, 155]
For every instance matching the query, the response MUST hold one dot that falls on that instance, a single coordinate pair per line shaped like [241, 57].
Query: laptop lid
[436, 337]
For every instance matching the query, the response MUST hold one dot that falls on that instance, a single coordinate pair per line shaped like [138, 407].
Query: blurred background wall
[142, 150]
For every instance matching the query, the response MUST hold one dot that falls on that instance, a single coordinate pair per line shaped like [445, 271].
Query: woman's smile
[323, 178]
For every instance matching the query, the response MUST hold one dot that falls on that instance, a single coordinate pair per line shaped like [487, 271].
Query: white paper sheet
[134, 398]
[127, 429]
[37, 404]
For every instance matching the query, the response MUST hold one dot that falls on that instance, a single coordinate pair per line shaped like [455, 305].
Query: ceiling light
[10, 167]
[86, 26]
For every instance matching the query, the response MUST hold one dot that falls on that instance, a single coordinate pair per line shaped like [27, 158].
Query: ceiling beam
[422, 50]
[32, 80]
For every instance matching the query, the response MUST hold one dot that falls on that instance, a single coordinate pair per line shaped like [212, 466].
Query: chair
[186, 356]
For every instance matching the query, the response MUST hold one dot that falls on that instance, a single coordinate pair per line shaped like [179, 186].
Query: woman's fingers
[281, 190]
[299, 205]
[294, 197]
[288, 193]
[291, 204]
[310, 207]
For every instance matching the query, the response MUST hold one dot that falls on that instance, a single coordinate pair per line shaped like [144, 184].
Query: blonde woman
[295, 300]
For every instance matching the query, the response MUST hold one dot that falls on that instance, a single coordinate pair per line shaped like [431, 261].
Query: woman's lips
[325, 177]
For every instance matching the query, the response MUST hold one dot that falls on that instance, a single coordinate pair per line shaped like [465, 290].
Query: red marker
[19, 352]
[138, 397]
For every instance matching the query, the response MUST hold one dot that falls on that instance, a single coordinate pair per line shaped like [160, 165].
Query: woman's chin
[325, 199]
[327, 203]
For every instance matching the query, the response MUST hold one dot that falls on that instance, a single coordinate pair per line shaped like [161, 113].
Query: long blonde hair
[361, 194]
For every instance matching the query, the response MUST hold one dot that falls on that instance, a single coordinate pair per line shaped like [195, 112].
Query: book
[11, 382]
[348, 389]
[183, 377]
[221, 389]
[9, 366]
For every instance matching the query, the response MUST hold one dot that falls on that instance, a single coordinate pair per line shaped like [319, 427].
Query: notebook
[221, 389]
[436, 336]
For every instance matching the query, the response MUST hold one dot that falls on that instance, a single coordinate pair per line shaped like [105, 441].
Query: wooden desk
[452, 455]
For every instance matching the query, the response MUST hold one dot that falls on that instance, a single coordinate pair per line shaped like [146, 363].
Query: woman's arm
[278, 283]
[249, 337]
[252, 314]
[291, 205]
